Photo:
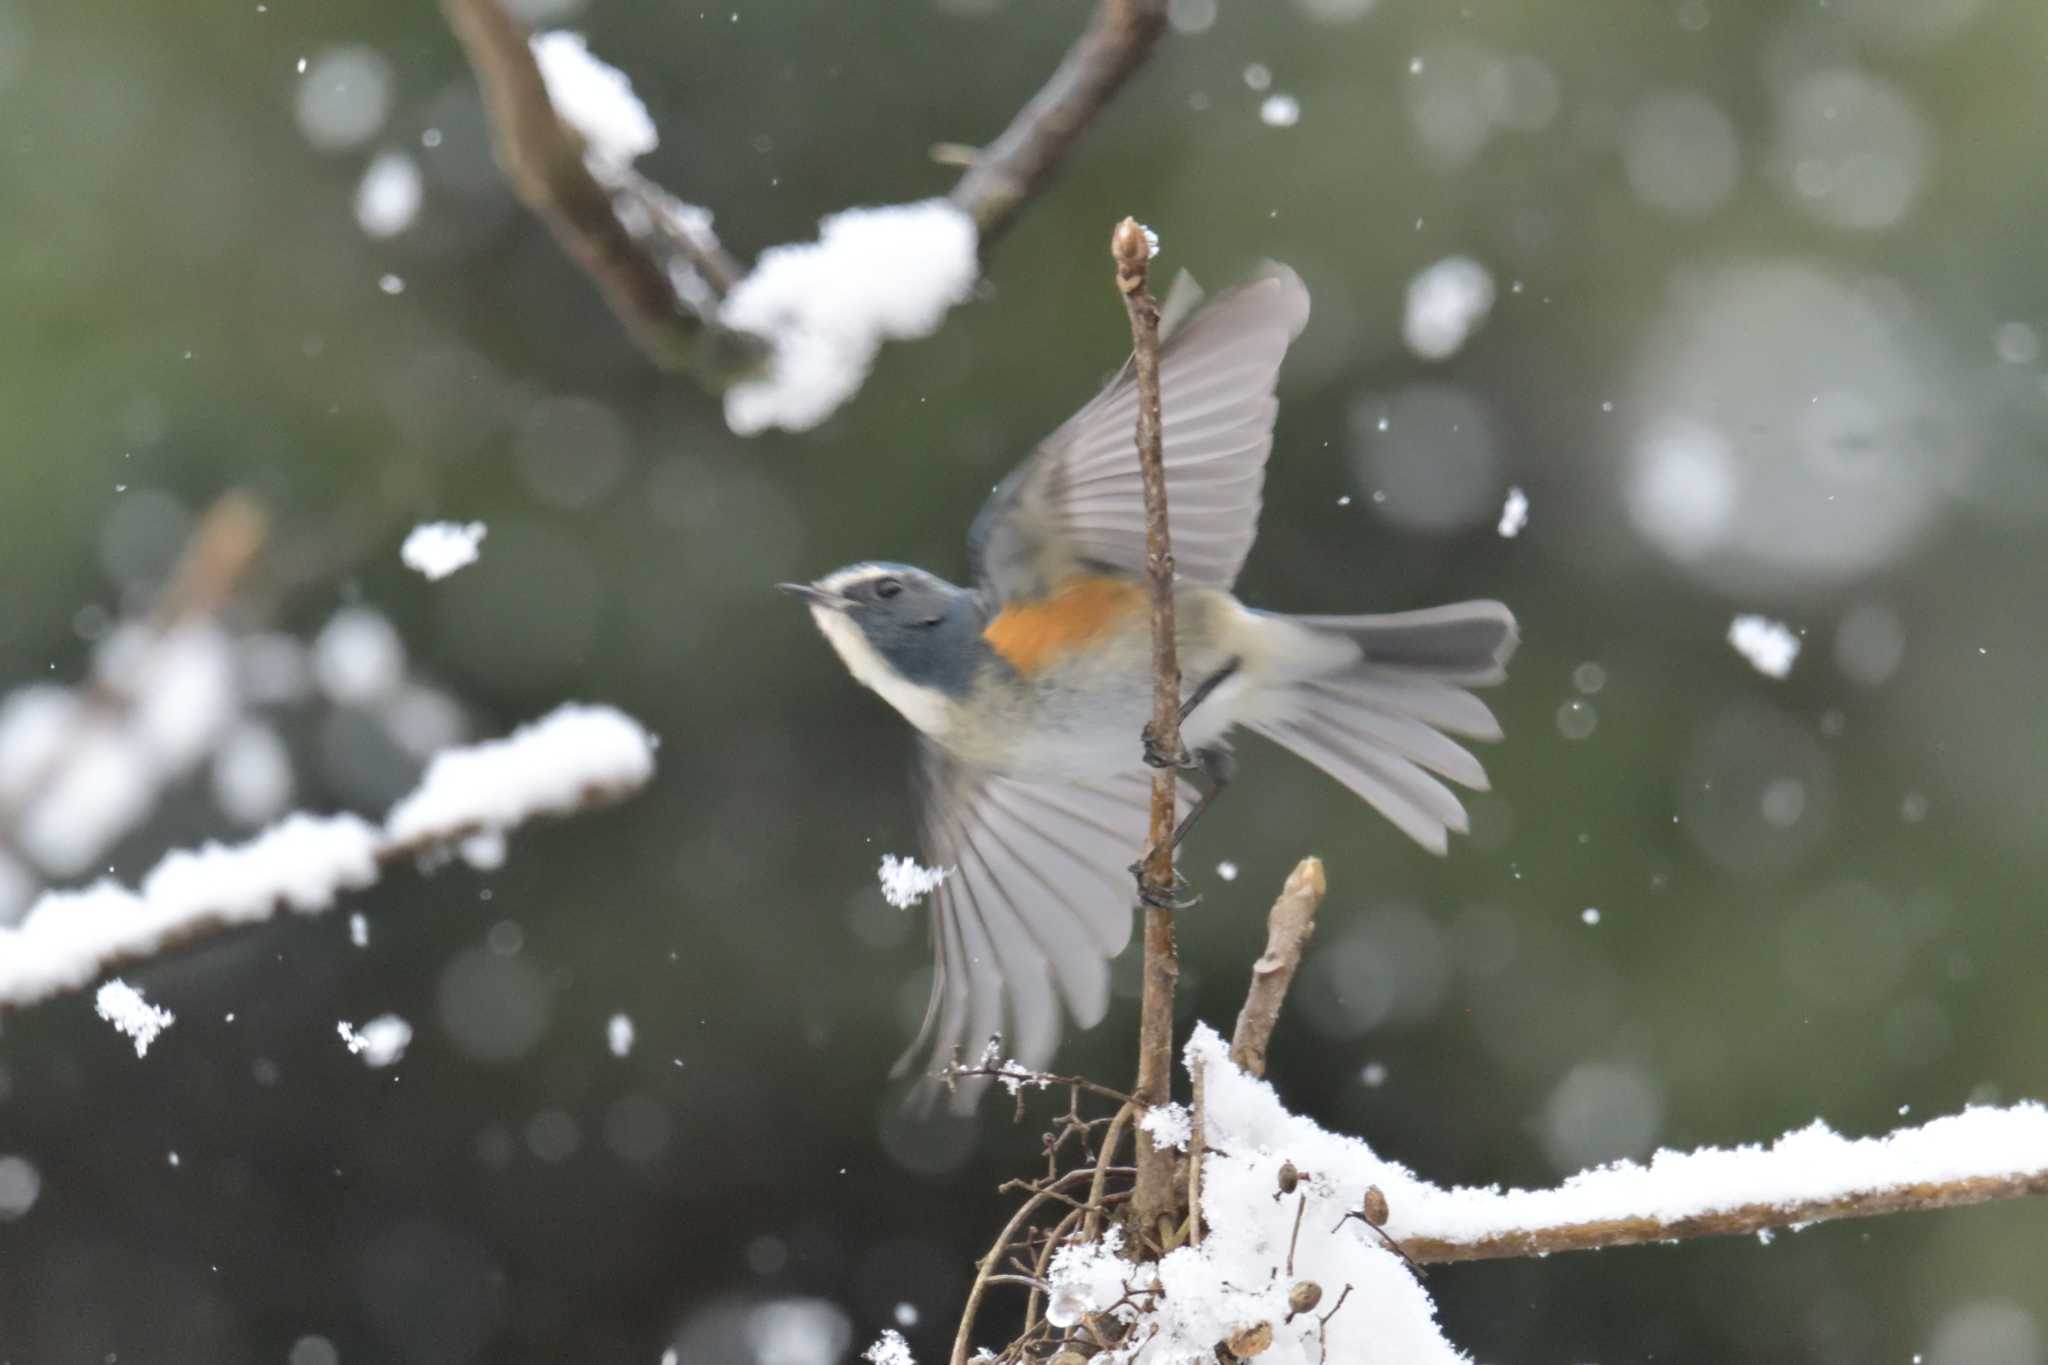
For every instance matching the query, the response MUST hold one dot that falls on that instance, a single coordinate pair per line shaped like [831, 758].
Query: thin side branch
[643, 249]
[1003, 176]
[1155, 1202]
[1746, 1220]
[1288, 926]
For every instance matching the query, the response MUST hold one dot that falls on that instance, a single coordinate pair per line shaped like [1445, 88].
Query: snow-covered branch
[82, 766]
[575, 758]
[793, 339]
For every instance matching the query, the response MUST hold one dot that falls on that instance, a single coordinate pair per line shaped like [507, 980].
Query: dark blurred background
[1768, 290]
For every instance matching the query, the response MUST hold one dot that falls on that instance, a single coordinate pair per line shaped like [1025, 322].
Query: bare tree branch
[1003, 176]
[1155, 1202]
[1288, 926]
[1742, 1221]
[655, 260]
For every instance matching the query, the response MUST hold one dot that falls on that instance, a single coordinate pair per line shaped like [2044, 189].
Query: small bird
[1030, 689]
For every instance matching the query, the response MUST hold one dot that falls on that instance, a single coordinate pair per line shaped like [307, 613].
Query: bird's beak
[814, 595]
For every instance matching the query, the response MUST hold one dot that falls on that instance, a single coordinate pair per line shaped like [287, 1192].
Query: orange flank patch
[1030, 635]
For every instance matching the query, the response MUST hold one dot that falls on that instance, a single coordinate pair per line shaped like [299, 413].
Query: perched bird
[1030, 689]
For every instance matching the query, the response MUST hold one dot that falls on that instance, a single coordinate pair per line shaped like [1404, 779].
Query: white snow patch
[1170, 1125]
[389, 194]
[874, 275]
[1514, 513]
[1280, 111]
[121, 1005]
[1770, 646]
[889, 1349]
[439, 548]
[545, 767]
[1445, 304]
[358, 658]
[595, 99]
[252, 774]
[381, 1042]
[905, 882]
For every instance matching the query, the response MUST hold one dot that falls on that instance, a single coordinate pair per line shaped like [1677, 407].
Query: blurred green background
[1765, 337]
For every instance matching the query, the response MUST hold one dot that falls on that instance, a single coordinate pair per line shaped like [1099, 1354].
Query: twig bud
[1375, 1207]
[1305, 1295]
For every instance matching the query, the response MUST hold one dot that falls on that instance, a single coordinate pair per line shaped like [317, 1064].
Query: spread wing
[1078, 503]
[1037, 899]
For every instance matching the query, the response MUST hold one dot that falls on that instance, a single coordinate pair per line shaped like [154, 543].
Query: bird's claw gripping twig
[1157, 755]
[1164, 897]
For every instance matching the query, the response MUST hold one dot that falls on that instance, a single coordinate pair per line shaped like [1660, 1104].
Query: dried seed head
[1375, 1209]
[1289, 1177]
[1247, 1342]
[1305, 1295]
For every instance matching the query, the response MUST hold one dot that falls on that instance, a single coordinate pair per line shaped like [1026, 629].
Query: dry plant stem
[1195, 1146]
[1003, 176]
[988, 1270]
[217, 557]
[1155, 1201]
[1288, 926]
[1104, 1160]
[543, 158]
[1737, 1222]
[1060, 1233]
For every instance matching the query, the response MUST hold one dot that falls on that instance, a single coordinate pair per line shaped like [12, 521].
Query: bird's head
[905, 633]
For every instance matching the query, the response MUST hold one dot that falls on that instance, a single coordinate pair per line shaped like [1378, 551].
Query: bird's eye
[888, 587]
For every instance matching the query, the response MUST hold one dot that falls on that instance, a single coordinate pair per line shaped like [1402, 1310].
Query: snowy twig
[1155, 1204]
[577, 758]
[657, 261]
[624, 231]
[1288, 926]
[227, 541]
[1003, 176]
[1740, 1221]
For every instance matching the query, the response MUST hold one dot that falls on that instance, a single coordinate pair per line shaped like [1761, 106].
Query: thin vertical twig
[1154, 1201]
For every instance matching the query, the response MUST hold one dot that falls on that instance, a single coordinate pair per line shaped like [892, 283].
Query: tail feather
[1467, 643]
[1381, 723]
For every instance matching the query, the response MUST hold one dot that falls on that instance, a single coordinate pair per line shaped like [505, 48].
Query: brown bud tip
[1375, 1209]
[1247, 1342]
[1307, 879]
[1289, 1177]
[1305, 1295]
[1131, 244]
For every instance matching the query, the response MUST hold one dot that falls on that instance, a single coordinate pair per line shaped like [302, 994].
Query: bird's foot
[1157, 755]
[1172, 897]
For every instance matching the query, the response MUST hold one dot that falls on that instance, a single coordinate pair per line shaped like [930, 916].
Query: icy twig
[1155, 1204]
[574, 759]
[1288, 926]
